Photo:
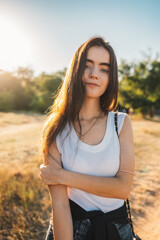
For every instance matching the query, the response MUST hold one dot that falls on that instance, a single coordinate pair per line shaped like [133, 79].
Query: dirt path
[149, 228]
[17, 128]
[19, 145]
[145, 195]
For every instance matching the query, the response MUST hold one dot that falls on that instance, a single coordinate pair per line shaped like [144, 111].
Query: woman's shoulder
[125, 123]
[120, 115]
[122, 118]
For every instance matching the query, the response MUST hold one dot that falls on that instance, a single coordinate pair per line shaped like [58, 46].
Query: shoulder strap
[127, 200]
[116, 123]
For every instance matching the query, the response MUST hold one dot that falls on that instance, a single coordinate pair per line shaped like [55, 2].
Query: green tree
[26, 79]
[46, 85]
[10, 91]
[140, 85]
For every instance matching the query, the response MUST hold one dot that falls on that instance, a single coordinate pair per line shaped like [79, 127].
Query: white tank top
[102, 159]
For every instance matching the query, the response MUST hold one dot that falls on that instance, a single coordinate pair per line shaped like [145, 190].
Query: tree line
[139, 88]
[21, 91]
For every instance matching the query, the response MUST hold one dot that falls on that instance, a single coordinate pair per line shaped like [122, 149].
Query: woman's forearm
[112, 187]
[61, 218]
[62, 223]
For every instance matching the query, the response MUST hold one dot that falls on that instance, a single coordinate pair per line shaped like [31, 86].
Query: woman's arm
[62, 219]
[113, 187]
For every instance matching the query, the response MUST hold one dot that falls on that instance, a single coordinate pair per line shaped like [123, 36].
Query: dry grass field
[24, 201]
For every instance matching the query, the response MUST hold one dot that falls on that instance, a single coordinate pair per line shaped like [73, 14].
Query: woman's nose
[94, 72]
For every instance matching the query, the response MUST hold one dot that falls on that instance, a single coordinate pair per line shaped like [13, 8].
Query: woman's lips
[92, 85]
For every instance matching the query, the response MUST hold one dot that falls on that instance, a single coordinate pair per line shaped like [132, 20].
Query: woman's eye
[87, 66]
[104, 70]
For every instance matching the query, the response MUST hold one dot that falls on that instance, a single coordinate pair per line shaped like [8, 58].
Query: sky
[44, 34]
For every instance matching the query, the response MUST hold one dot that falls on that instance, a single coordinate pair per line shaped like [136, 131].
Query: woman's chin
[91, 95]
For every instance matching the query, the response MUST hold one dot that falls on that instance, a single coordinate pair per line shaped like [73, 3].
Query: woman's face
[96, 71]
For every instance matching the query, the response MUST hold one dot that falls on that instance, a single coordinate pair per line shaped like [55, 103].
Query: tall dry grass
[24, 200]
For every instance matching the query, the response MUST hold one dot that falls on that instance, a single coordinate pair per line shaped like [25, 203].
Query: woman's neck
[90, 110]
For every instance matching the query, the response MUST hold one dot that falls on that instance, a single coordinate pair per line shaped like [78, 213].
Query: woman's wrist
[62, 179]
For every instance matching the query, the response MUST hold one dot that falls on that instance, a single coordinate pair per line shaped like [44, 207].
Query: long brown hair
[69, 97]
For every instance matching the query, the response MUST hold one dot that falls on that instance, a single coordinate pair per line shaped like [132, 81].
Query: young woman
[89, 168]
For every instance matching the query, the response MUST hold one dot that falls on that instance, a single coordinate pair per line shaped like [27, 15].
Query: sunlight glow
[16, 47]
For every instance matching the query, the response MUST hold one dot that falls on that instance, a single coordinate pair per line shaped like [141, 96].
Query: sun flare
[16, 47]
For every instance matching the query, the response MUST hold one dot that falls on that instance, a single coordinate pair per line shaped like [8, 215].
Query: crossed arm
[112, 187]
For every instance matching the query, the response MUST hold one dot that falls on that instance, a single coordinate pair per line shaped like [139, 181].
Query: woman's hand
[52, 171]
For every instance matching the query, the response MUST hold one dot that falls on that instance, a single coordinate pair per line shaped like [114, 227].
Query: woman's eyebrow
[102, 63]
